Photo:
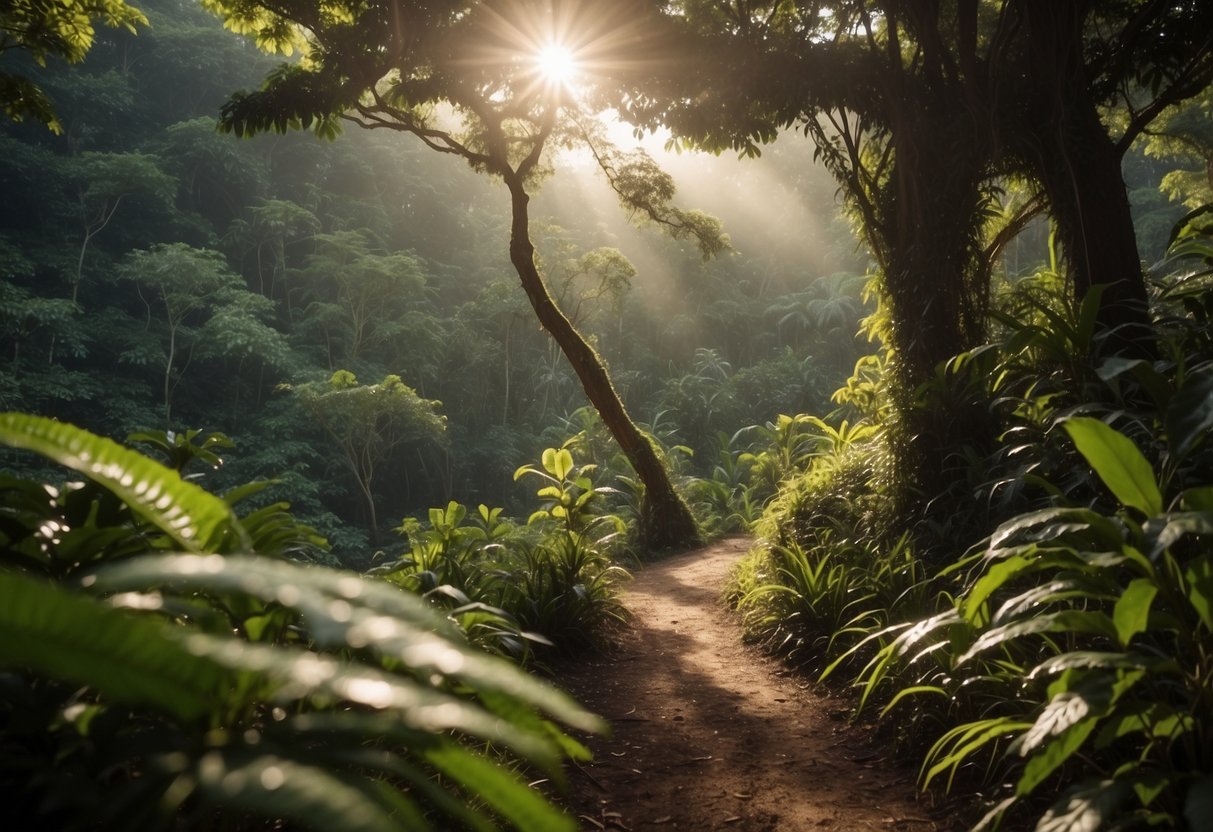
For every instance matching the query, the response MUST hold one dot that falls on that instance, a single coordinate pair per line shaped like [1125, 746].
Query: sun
[557, 64]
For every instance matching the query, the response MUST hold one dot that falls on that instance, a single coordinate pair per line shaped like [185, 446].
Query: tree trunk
[933, 211]
[667, 521]
[1068, 150]
[168, 374]
[927, 232]
[364, 476]
[1081, 176]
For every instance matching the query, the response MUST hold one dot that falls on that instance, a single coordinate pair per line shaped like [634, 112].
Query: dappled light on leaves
[396, 703]
[866, 347]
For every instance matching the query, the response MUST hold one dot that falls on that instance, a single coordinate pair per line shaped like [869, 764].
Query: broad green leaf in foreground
[1118, 462]
[344, 610]
[127, 659]
[192, 517]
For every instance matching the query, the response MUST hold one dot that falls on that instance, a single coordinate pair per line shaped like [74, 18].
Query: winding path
[710, 734]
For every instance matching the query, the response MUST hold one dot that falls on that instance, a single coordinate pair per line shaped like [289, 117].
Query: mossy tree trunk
[1055, 129]
[667, 520]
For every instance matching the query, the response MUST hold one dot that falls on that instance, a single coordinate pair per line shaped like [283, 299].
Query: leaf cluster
[143, 637]
[1066, 653]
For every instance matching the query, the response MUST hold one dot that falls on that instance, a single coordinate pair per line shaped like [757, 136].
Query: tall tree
[367, 423]
[916, 105]
[201, 306]
[482, 81]
[1063, 64]
[1183, 137]
[361, 301]
[921, 109]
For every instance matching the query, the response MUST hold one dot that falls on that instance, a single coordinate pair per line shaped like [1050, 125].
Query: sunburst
[552, 50]
[557, 64]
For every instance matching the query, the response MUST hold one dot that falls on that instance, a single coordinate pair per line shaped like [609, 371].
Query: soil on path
[708, 733]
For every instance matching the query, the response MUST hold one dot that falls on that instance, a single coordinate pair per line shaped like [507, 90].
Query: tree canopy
[924, 112]
[45, 29]
[387, 66]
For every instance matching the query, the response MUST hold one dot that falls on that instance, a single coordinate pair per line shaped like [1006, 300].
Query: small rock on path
[708, 733]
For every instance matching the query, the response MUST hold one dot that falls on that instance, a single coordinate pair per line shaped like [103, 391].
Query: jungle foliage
[995, 526]
[168, 661]
[1066, 651]
[160, 275]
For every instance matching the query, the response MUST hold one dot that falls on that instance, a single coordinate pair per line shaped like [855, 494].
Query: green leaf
[1065, 621]
[1199, 578]
[963, 741]
[992, 820]
[1057, 751]
[1052, 523]
[558, 463]
[989, 583]
[303, 675]
[344, 610]
[1083, 808]
[1155, 721]
[1155, 383]
[195, 519]
[1063, 711]
[1132, 611]
[1190, 415]
[1066, 722]
[275, 787]
[479, 775]
[1083, 659]
[125, 658]
[1197, 499]
[502, 790]
[1178, 525]
[1118, 462]
[1198, 806]
[1147, 785]
[913, 690]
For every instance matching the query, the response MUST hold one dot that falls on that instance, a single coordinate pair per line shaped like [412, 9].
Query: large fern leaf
[125, 658]
[344, 610]
[195, 519]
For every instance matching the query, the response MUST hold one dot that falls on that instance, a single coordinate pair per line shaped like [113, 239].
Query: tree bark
[935, 281]
[1081, 176]
[931, 218]
[1068, 150]
[666, 520]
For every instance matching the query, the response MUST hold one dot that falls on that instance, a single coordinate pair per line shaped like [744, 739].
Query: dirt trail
[711, 734]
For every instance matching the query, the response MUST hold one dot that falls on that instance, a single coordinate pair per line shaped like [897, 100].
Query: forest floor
[709, 733]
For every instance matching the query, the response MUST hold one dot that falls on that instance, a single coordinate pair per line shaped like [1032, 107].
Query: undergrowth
[1038, 628]
[166, 662]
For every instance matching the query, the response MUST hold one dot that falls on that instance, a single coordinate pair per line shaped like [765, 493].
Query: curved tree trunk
[667, 521]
